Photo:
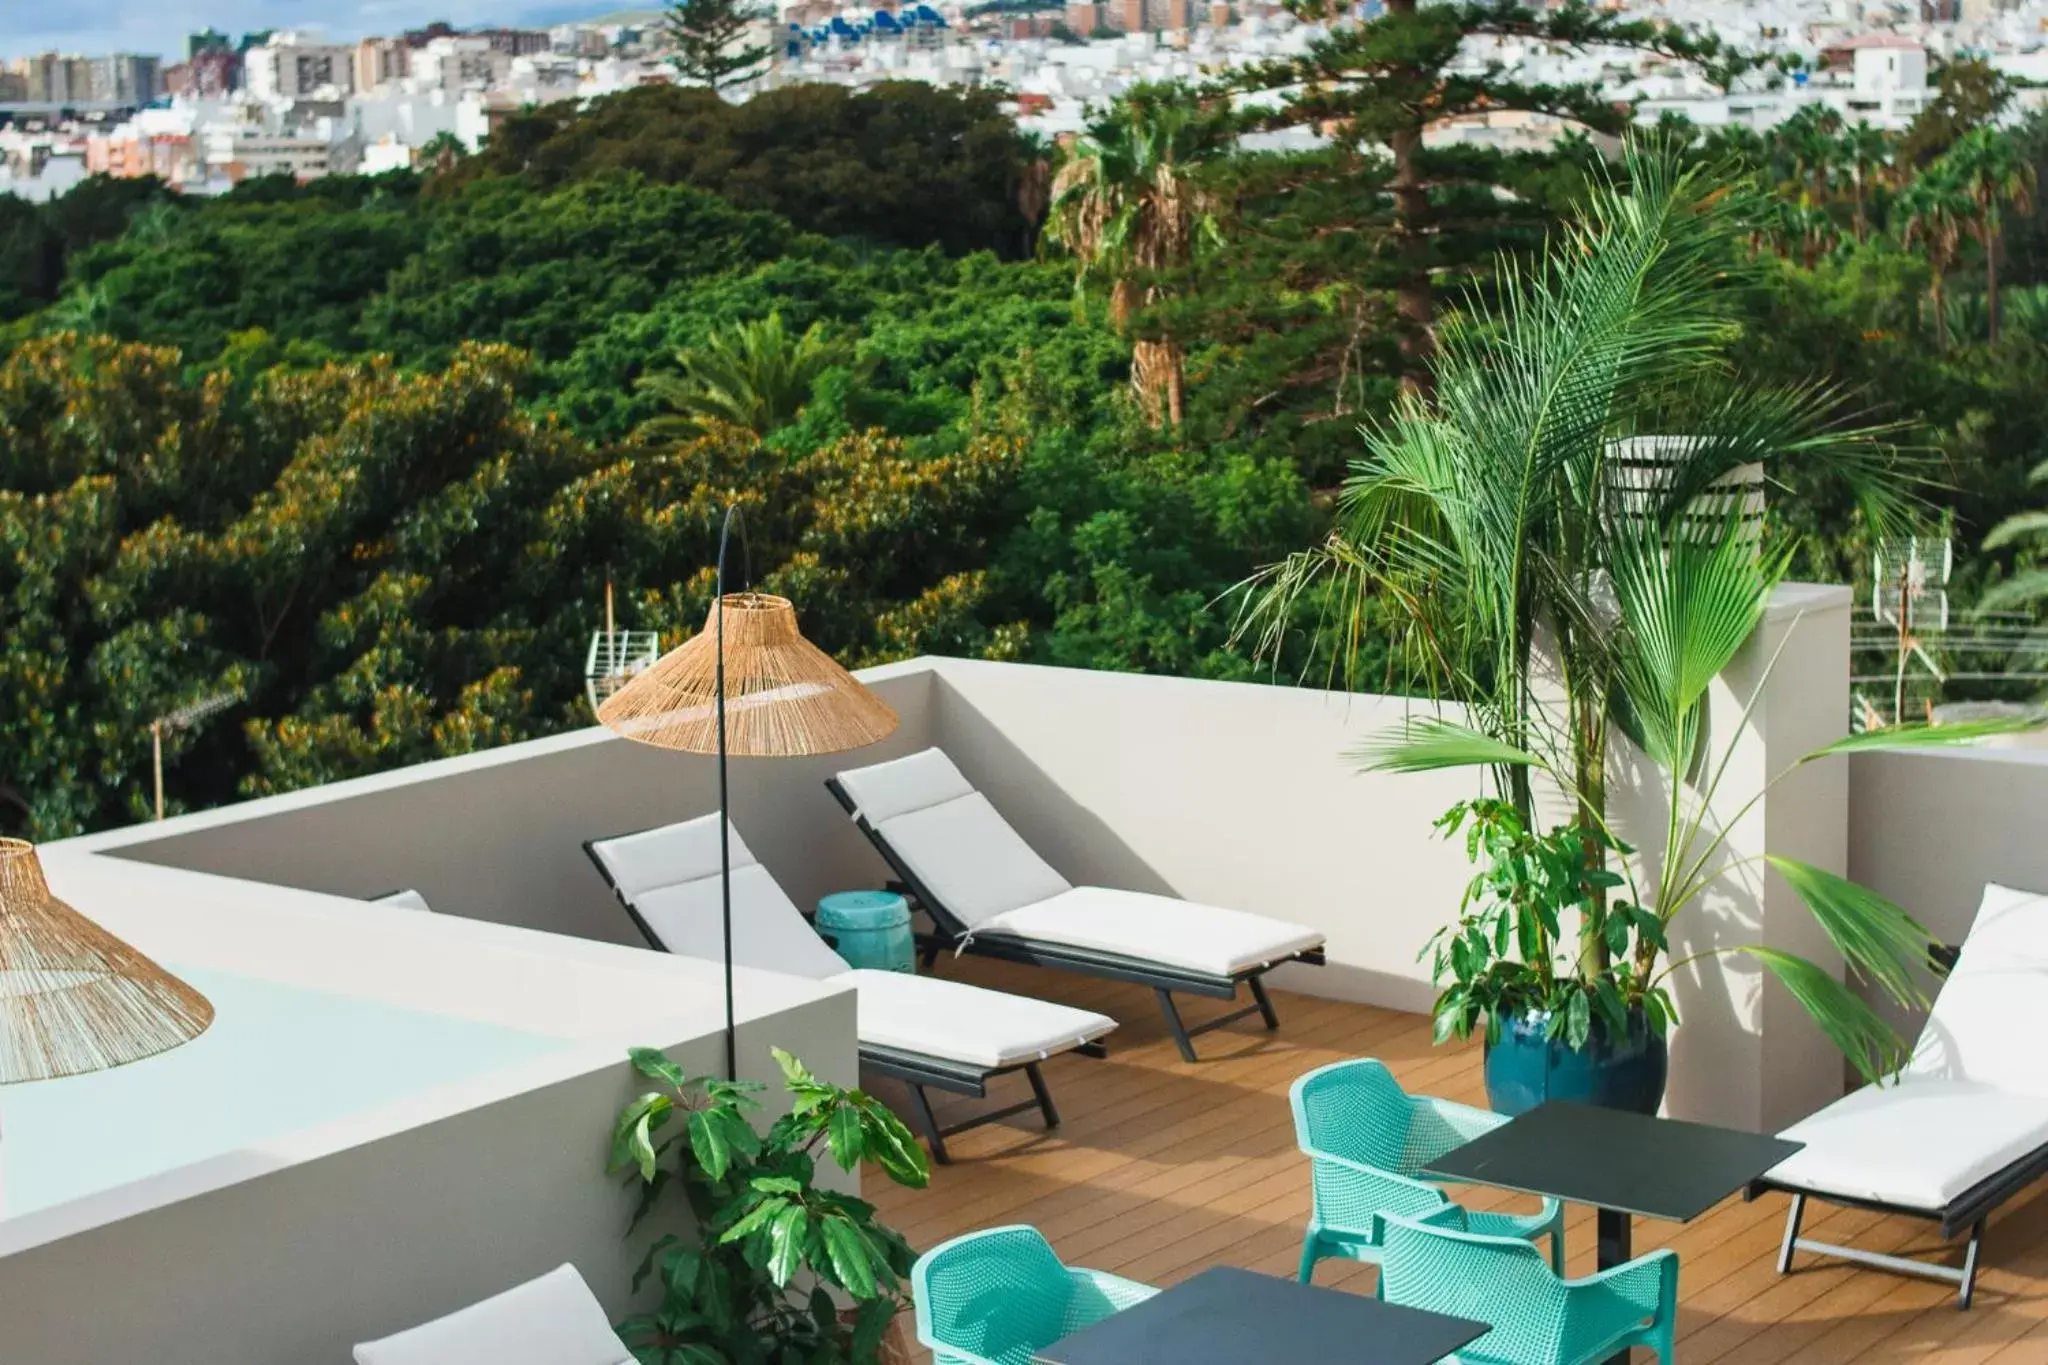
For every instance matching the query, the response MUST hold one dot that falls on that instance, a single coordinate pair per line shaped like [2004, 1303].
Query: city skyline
[159, 27]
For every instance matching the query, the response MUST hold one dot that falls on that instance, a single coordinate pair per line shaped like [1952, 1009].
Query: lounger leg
[1173, 1022]
[1258, 985]
[1792, 1218]
[1970, 1266]
[1044, 1093]
[921, 1111]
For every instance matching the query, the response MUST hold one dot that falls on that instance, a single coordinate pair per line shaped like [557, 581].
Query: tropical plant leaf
[852, 1262]
[1876, 937]
[844, 1137]
[1427, 743]
[708, 1143]
[1894, 737]
[892, 1146]
[786, 1243]
[1872, 1046]
[655, 1065]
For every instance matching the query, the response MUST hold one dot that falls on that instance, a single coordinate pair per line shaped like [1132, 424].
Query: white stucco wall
[293, 1248]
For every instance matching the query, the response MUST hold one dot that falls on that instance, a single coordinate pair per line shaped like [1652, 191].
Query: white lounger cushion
[982, 872]
[1917, 1144]
[670, 877]
[554, 1320]
[958, 844]
[1978, 1029]
[962, 1023]
[408, 899]
[949, 1020]
[1973, 1099]
[1163, 929]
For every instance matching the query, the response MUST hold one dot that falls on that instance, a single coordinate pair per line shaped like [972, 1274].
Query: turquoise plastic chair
[1538, 1317]
[1000, 1296]
[1366, 1138]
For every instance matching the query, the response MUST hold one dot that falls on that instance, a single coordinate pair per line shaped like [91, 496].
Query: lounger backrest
[950, 838]
[670, 878]
[554, 1320]
[1980, 1028]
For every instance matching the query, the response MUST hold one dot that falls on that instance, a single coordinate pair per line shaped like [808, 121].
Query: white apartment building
[291, 67]
[235, 154]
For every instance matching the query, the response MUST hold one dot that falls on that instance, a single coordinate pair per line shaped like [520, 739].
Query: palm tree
[1485, 518]
[1989, 167]
[1934, 211]
[2028, 586]
[756, 376]
[1865, 156]
[1128, 207]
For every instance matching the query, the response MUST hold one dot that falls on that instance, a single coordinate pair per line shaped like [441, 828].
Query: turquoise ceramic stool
[870, 929]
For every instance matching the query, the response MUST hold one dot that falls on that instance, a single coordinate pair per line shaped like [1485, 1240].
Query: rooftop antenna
[1909, 592]
[615, 655]
[184, 718]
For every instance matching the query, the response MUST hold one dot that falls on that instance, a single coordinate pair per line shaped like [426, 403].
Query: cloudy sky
[160, 26]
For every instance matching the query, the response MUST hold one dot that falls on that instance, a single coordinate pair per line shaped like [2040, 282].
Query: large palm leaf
[756, 376]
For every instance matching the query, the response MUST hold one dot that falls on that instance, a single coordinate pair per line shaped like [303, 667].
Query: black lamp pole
[732, 1067]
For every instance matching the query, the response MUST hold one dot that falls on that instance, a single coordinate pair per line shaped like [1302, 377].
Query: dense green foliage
[364, 452]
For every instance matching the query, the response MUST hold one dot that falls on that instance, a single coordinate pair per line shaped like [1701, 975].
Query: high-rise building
[380, 60]
[288, 68]
[124, 78]
[516, 42]
[1133, 13]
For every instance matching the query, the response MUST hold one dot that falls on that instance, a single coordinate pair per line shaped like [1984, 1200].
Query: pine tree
[1374, 85]
[709, 41]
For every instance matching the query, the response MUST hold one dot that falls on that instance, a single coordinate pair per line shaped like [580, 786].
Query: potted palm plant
[1483, 530]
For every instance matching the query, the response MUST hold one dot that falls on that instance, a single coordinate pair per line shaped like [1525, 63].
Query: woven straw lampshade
[73, 997]
[784, 697]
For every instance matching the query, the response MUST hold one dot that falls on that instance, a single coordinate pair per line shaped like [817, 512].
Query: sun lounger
[1964, 1127]
[554, 1320]
[404, 899]
[921, 1030]
[988, 892]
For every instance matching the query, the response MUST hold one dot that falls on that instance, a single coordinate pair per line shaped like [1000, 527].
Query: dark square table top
[1226, 1316]
[1659, 1168]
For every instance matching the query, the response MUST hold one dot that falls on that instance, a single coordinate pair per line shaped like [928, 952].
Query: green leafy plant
[758, 1287]
[1501, 959]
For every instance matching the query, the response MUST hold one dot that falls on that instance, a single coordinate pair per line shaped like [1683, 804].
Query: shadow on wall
[1076, 841]
[498, 835]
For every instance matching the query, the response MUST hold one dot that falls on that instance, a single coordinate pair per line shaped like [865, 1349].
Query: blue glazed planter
[1524, 1068]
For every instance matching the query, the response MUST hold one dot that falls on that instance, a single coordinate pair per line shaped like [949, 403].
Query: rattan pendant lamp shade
[74, 998]
[784, 697]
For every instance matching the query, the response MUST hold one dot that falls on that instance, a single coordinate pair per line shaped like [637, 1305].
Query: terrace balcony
[414, 1111]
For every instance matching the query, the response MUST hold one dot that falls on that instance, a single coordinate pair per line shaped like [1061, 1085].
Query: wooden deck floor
[1161, 1169]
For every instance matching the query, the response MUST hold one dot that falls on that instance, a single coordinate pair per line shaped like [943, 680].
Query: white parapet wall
[1930, 828]
[1236, 794]
[269, 1193]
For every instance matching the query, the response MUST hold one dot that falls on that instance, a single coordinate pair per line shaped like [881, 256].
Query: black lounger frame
[914, 1069]
[952, 934]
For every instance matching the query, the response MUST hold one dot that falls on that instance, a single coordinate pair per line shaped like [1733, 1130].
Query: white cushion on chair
[887, 790]
[1979, 1029]
[407, 899]
[962, 1023]
[673, 876]
[970, 859]
[1917, 1144]
[1974, 1098]
[1163, 929]
[554, 1320]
